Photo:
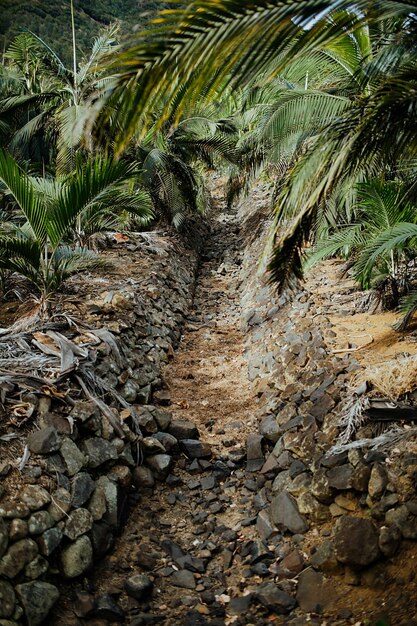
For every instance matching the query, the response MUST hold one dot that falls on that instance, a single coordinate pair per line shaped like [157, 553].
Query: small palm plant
[49, 246]
[380, 244]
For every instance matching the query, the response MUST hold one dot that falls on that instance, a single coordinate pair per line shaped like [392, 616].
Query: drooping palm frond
[209, 45]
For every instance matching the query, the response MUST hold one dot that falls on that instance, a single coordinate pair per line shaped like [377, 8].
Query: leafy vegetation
[319, 94]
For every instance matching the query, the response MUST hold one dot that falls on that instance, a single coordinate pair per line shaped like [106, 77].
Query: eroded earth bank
[210, 494]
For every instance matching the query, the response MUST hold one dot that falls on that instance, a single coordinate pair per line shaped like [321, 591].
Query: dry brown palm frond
[391, 379]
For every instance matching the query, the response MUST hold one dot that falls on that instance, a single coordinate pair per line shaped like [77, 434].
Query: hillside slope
[52, 22]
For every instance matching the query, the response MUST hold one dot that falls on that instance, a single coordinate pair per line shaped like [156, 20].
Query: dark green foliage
[51, 20]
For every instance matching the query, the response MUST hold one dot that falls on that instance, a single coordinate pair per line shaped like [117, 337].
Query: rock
[314, 594]
[49, 541]
[254, 454]
[183, 578]
[18, 530]
[139, 587]
[44, 441]
[129, 391]
[83, 410]
[152, 445]
[146, 420]
[163, 418]
[10, 509]
[107, 609]
[61, 504]
[82, 486]
[264, 525]
[195, 449]
[324, 558]
[270, 429]
[320, 487]
[79, 522]
[160, 465]
[102, 538]
[356, 541]
[274, 599]
[39, 522]
[36, 568]
[378, 481]
[73, 458]
[168, 441]
[37, 599]
[99, 451]
[143, 477]
[285, 514]
[7, 599]
[4, 537]
[77, 558]
[389, 540]
[360, 478]
[35, 497]
[341, 476]
[183, 429]
[111, 492]
[84, 604]
[17, 557]
[308, 505]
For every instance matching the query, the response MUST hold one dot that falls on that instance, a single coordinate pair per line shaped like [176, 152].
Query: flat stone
[79, 522]
[82, 486]
[35, 496]
[73, 458]
[254, 455]
[270, 429]
[183, 578]
[274, 599]
[44, 441]
[196, 449]
[37, 599]
[49, 541]
[99, 451]
[314, 593]
[7, 599]
[285, 514]
[341, 476]
[139, 587]
[17, 557]
[77, 558]
[183, 429]
[356, 541]
[264, 525]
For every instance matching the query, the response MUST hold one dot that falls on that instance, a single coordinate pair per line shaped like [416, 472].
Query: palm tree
[49, 101]
[217, 44]
[55, 211]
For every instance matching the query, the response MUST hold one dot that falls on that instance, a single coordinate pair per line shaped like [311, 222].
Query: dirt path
[203, 508]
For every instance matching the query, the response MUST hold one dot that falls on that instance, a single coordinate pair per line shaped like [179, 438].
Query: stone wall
[355, 508]
[95, 431]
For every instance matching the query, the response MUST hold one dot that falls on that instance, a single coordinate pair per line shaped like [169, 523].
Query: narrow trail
[202, 514]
